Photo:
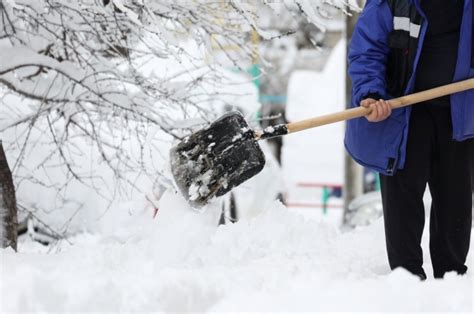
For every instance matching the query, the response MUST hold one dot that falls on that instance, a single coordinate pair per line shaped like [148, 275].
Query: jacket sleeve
[368, 51]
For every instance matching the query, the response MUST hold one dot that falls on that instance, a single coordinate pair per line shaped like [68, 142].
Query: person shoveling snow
[398, 47]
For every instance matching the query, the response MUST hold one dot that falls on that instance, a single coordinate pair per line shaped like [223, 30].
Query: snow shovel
[214, 160]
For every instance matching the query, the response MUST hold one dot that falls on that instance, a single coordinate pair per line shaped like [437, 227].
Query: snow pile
[180, 261]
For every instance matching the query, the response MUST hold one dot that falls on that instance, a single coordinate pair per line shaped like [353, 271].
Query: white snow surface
[180, 261]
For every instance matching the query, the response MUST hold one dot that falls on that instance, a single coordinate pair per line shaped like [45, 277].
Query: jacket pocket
[397, 68]
[373, 144]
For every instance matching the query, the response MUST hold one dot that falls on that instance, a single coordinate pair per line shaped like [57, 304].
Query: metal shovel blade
[214, 160]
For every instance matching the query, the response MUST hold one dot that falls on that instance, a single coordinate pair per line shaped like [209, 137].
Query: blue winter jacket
[381, 146]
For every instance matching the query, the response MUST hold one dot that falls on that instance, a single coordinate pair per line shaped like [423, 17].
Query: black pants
[435, 159]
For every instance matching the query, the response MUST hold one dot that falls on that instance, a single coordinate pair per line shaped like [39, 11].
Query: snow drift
[180, 261]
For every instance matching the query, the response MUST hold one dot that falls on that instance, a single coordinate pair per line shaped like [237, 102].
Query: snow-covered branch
[113, 72]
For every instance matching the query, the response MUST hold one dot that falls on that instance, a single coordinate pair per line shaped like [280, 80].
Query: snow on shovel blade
[214, 160]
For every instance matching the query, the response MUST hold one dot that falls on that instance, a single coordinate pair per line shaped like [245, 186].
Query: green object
[377, 181]
[255, 72]
[326, 195]
[273, 99]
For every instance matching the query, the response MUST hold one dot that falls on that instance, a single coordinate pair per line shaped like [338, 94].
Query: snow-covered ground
[180, 261]
[273, 259]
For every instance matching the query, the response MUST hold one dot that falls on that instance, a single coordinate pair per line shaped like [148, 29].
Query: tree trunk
[353, 173]
[8, 210]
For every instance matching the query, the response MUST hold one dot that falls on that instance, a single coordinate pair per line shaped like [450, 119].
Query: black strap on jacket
[403, 43]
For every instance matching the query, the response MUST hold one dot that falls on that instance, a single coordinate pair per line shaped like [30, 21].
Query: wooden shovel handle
[395, 103]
